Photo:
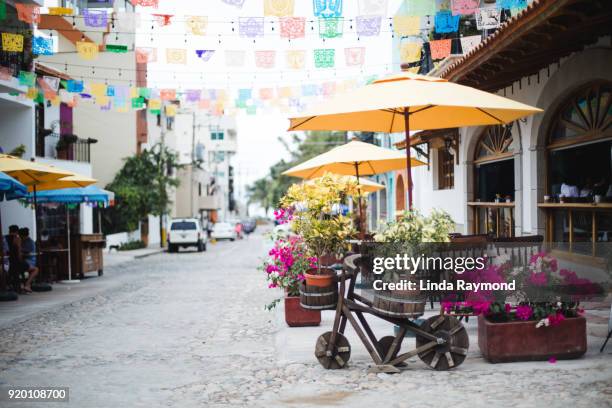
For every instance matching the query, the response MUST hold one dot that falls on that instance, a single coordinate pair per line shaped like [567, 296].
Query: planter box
[297, 316]
[522, 341]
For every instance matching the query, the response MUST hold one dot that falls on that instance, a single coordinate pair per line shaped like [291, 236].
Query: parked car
[224, 230]
[186, 232]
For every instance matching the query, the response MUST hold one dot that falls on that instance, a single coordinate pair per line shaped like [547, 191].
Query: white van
[186, 232]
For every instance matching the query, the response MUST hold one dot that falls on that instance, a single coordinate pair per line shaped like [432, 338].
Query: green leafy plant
[316, 215]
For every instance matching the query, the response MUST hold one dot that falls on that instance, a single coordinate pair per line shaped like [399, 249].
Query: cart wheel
[450, 354]
[385, 344]
[341, 351]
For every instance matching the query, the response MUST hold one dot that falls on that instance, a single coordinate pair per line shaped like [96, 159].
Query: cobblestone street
[189, 329]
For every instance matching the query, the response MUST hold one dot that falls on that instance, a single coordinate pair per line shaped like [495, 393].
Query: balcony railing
[61, 148]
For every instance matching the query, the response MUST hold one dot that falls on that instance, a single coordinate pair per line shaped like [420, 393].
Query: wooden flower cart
[441, 341]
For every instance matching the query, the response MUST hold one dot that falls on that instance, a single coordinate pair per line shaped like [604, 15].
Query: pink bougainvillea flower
[556, 318]
[272, 285]
[538, 279]
[271, 268]
[447, 305]
[552, 360]
[524, 312]
[507, 308]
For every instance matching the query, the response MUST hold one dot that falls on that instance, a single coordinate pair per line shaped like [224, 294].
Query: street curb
[160, 251]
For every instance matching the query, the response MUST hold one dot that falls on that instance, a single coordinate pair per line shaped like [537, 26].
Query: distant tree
[267, 191]
[141, 188]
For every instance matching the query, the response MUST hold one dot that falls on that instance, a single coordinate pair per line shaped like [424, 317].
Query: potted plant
[411, 234]
[318, 219]
[285, 266]
[543, 320]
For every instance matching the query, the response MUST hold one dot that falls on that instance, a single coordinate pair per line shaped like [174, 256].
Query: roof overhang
[540, 35]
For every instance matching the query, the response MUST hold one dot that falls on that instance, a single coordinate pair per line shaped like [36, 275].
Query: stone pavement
[30, 305]
[190, 330]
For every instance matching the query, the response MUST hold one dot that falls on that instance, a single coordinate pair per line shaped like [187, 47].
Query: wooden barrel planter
[390, 305]
[319, 297]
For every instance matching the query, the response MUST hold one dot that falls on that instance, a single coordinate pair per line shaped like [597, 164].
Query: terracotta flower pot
[324, 279]
[297, 316]
[522, 341]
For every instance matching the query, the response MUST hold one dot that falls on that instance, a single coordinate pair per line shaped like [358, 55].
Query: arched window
[495, 143]
[579, 170]
[400, 194]
[585, 116]
[494, 188]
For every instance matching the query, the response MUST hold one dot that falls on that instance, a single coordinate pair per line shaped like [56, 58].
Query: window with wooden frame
[493, 208]
[579, 162]
[446, 169]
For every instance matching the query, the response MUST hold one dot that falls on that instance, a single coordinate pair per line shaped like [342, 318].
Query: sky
[258, 145]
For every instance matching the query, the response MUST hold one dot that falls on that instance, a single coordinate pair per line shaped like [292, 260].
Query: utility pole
[193, 159]
[162, 186]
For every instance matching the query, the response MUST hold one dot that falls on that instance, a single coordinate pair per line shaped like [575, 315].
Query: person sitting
[28, 250]
[15, 258]
[569, 190]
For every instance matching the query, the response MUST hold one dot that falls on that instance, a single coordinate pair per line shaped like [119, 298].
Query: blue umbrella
[10, 189]
[72, 195]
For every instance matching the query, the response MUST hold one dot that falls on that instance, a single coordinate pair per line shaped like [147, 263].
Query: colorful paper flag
[251, 27]
[73, 86]
[176, 56]
[265, 59]
[410, 52]
[445, 22]
[144, 92]
[420, 7]
[407, 25]
[373, 7]
[51, 82]
[12, 42]
[193, 95]
[27, 78]
[2, 10]
[296, 59]
[324, 57]
[327, 8]
[330, 27]
[163, 19]
[205, 55]
[464, 7]
[488, 18]
[28, 13]
[204, 104]
[146, 3]
[440, 49]
[469, 42]
[511, 4]
[145, 55]
[87, 50]
[368, 26]
[266, 93]
[235, 3]
[42, 46]
[235, 58]
[60, 11]
[95, 17]
[196, 25]
[116, 48]
[138, 103]
[154, 104]
[354, 56]
[292, 27]
[278, 8]
[168, 94]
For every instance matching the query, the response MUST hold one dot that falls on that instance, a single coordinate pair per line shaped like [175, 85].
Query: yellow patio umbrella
[73, 181]
[354, 158]
[30, 173]
[365, 185]
[405, 102]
